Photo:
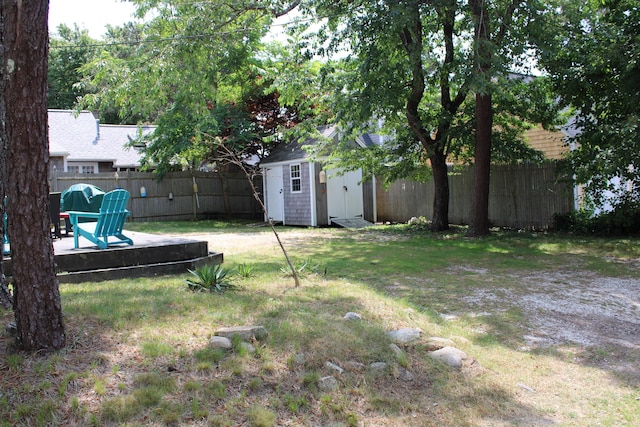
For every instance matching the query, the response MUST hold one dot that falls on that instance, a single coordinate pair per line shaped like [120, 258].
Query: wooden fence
[522, 196]
[174, 198]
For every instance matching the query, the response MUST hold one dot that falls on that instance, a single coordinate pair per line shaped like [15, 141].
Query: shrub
[244, 270]
[419, 223]
[623, 220]
[210, 278]
[302, 268]
[579, 222]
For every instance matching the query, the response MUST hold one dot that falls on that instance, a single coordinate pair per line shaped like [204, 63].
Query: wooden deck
[150, 255]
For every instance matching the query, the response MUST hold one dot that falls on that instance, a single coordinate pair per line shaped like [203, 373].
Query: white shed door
[344, 195]
[275, 193]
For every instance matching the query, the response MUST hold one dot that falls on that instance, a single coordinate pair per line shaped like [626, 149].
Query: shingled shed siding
[297, 206]
[550, 143]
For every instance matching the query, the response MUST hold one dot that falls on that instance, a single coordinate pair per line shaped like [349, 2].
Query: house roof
[120, 136]
[70, 134]
[81, 138]
[370, 139]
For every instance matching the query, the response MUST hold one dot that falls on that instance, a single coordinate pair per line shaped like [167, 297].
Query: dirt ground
[597, 317]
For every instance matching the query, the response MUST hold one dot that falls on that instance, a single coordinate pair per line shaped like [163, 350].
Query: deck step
[145, 270]
[151, 255]
[351, 222]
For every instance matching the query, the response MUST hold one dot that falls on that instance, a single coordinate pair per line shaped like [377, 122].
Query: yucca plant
[210, 278]
[244, 270]
[302, 268]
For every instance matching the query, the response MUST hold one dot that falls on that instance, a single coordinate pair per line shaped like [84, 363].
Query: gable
[294, 151]
[550, 143]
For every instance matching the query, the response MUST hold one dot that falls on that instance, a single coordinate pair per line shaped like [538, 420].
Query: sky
[93, 15]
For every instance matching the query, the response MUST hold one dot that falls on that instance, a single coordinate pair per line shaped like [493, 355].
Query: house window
[78, 167]
[296, 179]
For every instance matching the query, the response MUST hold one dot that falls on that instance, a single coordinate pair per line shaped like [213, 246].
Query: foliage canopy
[193, 69]
[593, 59]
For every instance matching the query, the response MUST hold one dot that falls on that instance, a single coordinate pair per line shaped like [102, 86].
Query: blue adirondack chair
[5, 238]
[108, 222]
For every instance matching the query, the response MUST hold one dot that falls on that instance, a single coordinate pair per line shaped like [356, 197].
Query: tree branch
[231, 157]
[411, 37]
[506, 21]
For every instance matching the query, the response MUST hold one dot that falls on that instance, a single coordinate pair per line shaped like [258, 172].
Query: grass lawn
[518, 304]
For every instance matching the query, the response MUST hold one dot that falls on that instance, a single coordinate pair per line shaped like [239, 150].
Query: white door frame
[344, 195]
[274, 193]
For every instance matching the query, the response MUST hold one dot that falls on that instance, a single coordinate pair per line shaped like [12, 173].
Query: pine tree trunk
[5, 296]
[479, 221]
[37, 306]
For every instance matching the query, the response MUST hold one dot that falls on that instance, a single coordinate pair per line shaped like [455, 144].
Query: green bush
[244, 270]
[303, 268]
[579, 222]
[623, 220]
[210, 278]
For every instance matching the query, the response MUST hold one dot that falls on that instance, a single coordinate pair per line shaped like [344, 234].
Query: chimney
[97, 131]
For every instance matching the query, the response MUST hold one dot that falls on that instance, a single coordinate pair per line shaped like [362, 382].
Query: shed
[299, 191]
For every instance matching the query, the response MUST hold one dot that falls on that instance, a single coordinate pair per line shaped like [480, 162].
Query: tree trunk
[5, 295]
[226, 202]
[37, 306]
[411, 37]
[479, 221]
[440, 221]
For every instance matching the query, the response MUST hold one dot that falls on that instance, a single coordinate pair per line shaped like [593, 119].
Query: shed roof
[294, 150]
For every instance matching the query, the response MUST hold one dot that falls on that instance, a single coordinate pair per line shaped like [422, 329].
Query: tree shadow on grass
[143, 340]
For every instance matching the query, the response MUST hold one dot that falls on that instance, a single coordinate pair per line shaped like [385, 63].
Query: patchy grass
[138, 349]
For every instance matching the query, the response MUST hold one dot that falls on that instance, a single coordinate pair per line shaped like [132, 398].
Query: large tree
[5, 294]
[37, 306]
[196, 71]
[593, 58]
[69, 50]
[419, 65]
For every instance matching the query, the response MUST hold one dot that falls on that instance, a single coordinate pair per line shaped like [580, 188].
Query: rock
[406, 375]
[248, 347]
[334, 367]
[352, 316]
[246, 333]
[220, 342]
[378, 366]
[327, 383]
[451, 356]
[436, 343]
[405, 335]
[396, 350]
